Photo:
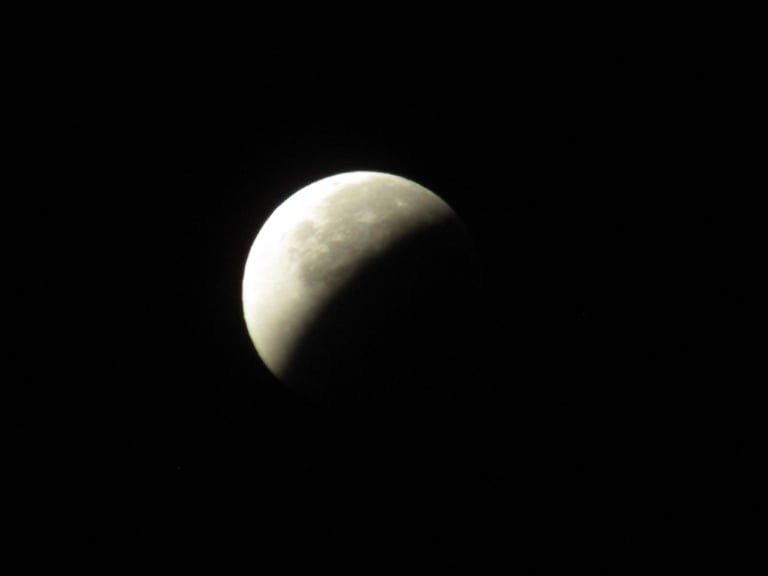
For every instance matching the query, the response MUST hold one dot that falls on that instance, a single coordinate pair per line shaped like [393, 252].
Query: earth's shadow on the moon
[390, 359]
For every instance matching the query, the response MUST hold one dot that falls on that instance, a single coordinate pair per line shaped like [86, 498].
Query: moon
[358, 283]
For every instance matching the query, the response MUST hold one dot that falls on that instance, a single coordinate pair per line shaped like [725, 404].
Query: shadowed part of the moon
[401, 330]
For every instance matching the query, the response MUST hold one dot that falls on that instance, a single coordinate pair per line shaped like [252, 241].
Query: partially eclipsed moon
[347, 272]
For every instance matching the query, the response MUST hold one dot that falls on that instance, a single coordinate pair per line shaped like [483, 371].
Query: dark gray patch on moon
[357, 223]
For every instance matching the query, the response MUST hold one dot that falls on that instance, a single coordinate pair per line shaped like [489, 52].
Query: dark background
[610, 423]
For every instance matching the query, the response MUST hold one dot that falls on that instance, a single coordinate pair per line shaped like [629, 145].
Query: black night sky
[609, 424]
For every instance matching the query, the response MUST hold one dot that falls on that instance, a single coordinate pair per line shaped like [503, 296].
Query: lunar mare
[314, 246]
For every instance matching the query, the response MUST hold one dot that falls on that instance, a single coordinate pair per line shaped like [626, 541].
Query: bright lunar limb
[356, 270]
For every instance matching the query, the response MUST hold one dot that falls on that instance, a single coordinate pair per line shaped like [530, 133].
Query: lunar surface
[357, 280]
